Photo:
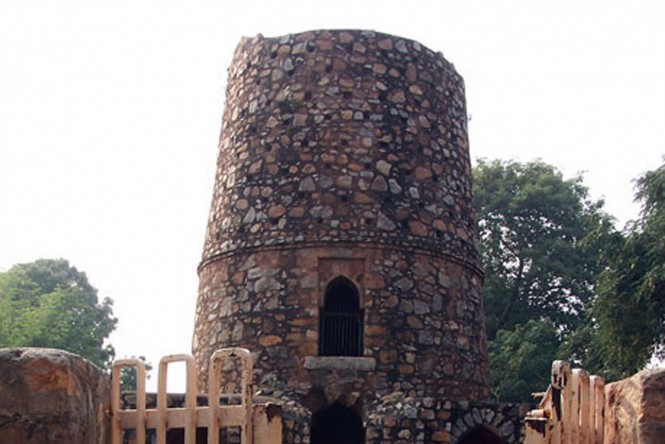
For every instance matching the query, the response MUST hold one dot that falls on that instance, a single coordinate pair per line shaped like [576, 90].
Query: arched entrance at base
[337, 424]
[480, 435]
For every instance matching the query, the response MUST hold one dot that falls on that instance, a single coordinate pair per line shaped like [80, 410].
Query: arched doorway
[337, 424]
[341, 328]
[480, 435]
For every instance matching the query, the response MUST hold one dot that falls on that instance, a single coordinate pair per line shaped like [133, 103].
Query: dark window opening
[337, 424]
[481, 435]
[341, 323]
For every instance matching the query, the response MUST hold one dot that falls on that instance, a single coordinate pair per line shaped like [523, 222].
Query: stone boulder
[52, 396]
[635, 409]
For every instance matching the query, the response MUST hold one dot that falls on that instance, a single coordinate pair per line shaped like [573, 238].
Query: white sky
[110, 114]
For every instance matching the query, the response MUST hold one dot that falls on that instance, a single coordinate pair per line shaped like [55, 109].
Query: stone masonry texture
[52, 397]
[344, 153]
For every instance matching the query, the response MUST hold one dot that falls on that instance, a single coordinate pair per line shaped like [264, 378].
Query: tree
[521, 360]
[629, 314]
[128, 376]
[48, 303]
[537, 248]
[541, 242]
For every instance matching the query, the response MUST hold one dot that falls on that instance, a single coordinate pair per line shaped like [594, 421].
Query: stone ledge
[339, 363]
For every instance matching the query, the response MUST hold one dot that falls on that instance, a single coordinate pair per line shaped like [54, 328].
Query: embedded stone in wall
[52, 397]
[400, 418]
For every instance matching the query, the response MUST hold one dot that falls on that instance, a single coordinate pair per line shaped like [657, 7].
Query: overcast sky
[110, 114]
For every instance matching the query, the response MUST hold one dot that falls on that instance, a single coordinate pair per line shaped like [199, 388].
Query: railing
[341, 334]
[571, 411]
[257, 423]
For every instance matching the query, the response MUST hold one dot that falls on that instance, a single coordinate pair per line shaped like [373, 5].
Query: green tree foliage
[128, 376]
[521, 359]
[629, 314]
[540, 248]
[48, 303]
[537, 248]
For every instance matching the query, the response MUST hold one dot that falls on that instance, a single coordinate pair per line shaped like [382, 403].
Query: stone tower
[341, 243]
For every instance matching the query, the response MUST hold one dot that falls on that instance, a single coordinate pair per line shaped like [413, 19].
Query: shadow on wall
[481, 435]
[337, 424]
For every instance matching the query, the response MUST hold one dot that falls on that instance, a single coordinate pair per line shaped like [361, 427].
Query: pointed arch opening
[341, 322]
[481, 435]
[337, 424]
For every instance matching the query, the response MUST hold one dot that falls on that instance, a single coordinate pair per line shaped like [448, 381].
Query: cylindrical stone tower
[341, 243]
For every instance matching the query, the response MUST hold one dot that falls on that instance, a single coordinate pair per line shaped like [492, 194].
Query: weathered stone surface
[52, 397]
[346, 157]
[339, 363]
[635, 409]
[397, 415]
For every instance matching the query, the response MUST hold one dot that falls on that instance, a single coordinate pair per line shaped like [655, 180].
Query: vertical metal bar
[342, 334]
[350, 335]
[322, 336]
[344, 321]
[329, 327]
[361, 333]
[333, 333]
[337, 336]
[334, 338]
[348, 328]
